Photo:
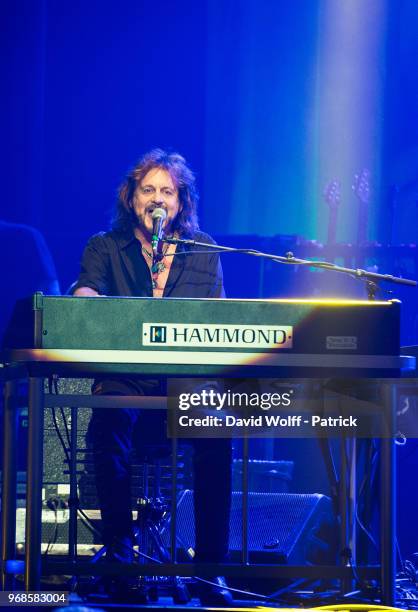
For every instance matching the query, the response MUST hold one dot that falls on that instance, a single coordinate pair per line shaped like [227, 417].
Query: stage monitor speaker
[55, 529]
[282, 527]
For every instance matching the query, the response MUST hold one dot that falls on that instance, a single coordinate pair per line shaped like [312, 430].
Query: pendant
[158, 267]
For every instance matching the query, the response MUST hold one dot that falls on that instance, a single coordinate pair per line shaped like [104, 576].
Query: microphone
[158, 216]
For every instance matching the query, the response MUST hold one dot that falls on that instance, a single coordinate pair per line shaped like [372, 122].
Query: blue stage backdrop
[268, 101]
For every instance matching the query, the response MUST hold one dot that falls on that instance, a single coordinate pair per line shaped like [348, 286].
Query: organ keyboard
[177, 336]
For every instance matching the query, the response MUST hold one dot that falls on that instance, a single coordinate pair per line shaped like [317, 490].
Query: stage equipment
[272, 338]
[282, 527]
[177, 336]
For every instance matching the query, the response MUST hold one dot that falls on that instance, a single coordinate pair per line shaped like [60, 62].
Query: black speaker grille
[281, 524]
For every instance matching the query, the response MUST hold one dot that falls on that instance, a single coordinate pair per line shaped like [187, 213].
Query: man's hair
[186, 221]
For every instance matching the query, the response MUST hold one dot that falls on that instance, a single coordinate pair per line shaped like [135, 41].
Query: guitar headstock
[361, 186]
[332, 194]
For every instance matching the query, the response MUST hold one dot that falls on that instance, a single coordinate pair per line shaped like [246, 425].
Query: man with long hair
[121, 262]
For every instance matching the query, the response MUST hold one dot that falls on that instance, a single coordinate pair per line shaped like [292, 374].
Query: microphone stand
[372, 279]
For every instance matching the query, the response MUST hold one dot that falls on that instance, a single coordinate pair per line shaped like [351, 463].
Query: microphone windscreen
[158, 213]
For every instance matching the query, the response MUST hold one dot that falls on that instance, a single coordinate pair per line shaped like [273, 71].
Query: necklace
[157, 265]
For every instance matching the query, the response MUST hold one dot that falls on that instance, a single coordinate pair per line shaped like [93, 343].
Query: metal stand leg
[73, 501]
[34, 485]
[346, 583]
[352, 454]
[245, 460]
[151, 516]
[388, 505]
[8, 500]
[173, 520]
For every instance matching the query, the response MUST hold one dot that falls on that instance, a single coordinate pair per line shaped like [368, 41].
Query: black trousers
[112, 433]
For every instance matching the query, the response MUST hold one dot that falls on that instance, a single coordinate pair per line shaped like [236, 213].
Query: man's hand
[86, 292]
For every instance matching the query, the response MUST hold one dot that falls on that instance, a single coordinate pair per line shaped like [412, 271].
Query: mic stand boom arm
[372, 278]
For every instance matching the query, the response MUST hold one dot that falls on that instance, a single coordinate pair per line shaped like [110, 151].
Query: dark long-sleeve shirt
[113, 264]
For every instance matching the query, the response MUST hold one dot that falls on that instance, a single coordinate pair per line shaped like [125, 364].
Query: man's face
[157, 190]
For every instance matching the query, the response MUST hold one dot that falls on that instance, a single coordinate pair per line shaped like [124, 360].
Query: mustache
[152, 207]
